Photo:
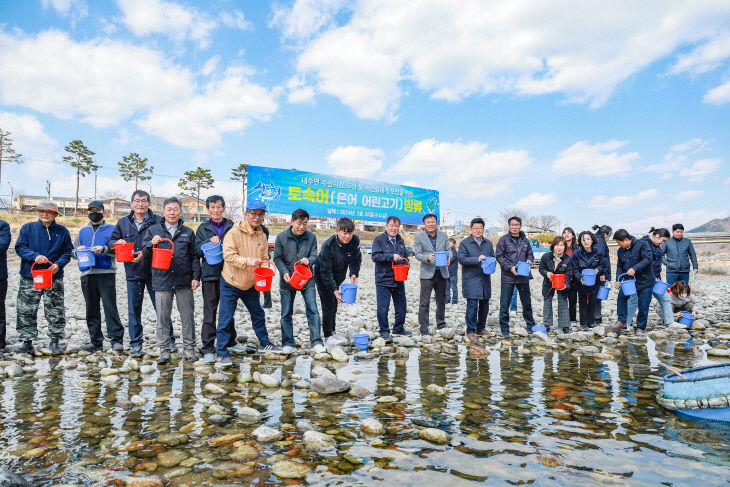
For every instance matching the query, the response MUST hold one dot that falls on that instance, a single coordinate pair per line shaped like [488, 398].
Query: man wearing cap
[98, 282]
[42, 243]
[132, 228]
[244, 248]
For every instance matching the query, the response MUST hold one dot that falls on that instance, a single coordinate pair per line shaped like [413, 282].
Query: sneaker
[484, 333]
[573, 323]
[566, 330]
[91, 347]
[136, 352]
[164, 359]
[173, 348]
[209, 358]
[402, 333]
[270, 348]
[386, 336]
[319, 348]
[472, 337]
[238, 348]
[225, 362]
[117, 347]
[639, 332]
[27, 348]
[618, 326]
[193, 357]
[56, 348]
[288, 350]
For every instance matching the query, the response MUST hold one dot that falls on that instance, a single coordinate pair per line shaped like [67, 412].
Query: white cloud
[718, 95]
[355, 161]
[466, 169]
[361, 52]
[226, 106]
[602, 202]
[77, 9]
[33, 143]
[679, 155]
[235, 20]
[146, 17]
[690, 219]
[101, 82]
[705, 57]
[688, 195]
[726, 181]
[699, 169]
[535, 200]
[298, 91]
[601, 159]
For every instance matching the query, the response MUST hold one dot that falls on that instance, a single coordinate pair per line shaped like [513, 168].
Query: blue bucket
[212, 252]
[523, 268]
[589, 276]
[489, 265]
[686, 319]
[442, 258]
[348, 292]
[362, 341]
[603, 292]
[86, 259]
[537, 328]
[628, 286]
[660, 287]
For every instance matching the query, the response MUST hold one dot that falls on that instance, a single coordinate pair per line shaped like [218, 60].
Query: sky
[596, 112]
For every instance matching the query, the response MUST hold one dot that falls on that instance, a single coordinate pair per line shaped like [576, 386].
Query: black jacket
[602, 248]
[127, 230]
[202, 236]
[286, 254]
[334, 261]
[454, 265]
[382, 255]
[185, 266]
[508, 254]
[583, 260]
[656, 252]
[639, 258]
[547, 264]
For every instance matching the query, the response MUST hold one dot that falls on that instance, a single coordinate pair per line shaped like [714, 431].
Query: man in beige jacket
[245, 248]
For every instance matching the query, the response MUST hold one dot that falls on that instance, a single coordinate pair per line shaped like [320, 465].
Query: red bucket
[558, 281]
[262, 278]
[400, 271]
[124, 252]
[161, 258]
[302, 275]
[42, 278]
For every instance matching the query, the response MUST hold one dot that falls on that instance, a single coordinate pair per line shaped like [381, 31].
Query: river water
[515, 417]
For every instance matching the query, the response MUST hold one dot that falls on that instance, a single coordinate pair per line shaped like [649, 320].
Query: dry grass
[714, 270]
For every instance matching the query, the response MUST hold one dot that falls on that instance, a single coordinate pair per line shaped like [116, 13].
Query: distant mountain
[716, 225]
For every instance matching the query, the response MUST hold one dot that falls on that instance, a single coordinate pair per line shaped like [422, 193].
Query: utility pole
[48, 189]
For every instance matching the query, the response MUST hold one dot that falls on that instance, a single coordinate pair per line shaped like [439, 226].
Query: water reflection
[515, 415]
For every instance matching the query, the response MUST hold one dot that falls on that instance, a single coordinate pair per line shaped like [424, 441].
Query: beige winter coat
[241, 245]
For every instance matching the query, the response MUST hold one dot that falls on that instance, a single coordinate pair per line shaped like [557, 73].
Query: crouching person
[682, 299]
[178, 281]
[43, 243]
[244, 249]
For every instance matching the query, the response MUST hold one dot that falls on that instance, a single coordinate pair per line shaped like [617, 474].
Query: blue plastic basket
[700, 383]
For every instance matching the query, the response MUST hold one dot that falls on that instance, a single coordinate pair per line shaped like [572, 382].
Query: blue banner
[329, 196]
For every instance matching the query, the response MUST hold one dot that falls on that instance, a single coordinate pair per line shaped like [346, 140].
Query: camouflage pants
[29, 298]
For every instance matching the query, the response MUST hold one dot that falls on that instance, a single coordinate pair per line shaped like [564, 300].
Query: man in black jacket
[178, 281]
[340, 252]
[512, 248]
[389, 248]
[297, 244]
[132, 228]
[213, 232]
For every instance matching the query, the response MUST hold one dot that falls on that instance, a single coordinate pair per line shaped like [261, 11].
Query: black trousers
[573, 299]
[96, 288]
[587, 304]
[3, 294]
[208, 331]
[523, 290]
[329, 308]
[436, 283]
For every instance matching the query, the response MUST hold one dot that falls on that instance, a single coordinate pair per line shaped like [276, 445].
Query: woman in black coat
[555, 262]
[571, 245]
[588, 257]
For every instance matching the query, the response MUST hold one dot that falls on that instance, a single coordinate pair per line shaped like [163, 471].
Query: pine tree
[80, 158]
[240, 173]
[193, 181]
[135, 168]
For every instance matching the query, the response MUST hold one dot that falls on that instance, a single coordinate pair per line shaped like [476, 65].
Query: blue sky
[596, 112]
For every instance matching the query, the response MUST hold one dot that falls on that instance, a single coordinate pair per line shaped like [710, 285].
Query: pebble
[138, 400]
[225, 439]
[131, 481]
[434, 435]
[231, 470]
[171, 458]
[372, 426]
[214, 389]
[13, 370]
[386, 399]
[436, 389]
[339, 355]
[286, 469]
[264, 434]
[218, 419]
[329, 385]
[244, 453]
[249, 415]
[270, 381]
[317, 441]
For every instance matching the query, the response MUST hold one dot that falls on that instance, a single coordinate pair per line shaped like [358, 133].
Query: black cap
[96, 204]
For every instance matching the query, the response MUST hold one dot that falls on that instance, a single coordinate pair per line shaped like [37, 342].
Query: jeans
[267, 299]
[476, 314]
[309, 294]
[452, 289]
[587, 304]
[513, 301]
[186, 307]
[3, 322]
[438, 284]
[227, 308]
[643, 300]
[209, 330]
[673, 277]
[664, 302]
[508, 288]
[547, 309]
[96, 288]
[135, 297]
[383, 296]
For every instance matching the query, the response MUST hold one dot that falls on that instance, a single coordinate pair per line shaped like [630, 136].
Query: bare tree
[510, 212]
[234, 208]
[543, 223]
